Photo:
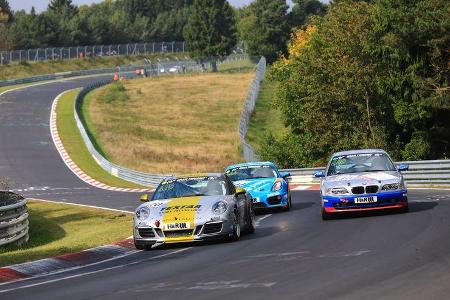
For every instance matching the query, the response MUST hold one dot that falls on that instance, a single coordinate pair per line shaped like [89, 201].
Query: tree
[411, 44]
[266, 30]
[304, 9]
[168, 26]
[64, 8]
[7, 40]
[210, 30]
[5, 12]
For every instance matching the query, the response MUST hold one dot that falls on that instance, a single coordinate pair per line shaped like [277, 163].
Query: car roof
[195, 175]
[254, 163]
[360, 151]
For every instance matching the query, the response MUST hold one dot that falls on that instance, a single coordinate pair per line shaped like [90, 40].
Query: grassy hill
[173, 124]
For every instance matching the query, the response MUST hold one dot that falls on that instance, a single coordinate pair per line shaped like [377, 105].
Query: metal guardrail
[427, 172]
[249, 105]
[7, 57]
[157, 68]
[13, 221]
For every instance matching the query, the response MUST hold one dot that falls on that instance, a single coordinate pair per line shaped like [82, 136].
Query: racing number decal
[181, 210]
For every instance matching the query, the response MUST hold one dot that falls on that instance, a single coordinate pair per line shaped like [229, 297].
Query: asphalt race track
[293, 255]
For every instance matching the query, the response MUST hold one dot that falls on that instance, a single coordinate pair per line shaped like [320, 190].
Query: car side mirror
[285, 175]
[403, 167]
[319, 174]
[240, 191]
[144, 198]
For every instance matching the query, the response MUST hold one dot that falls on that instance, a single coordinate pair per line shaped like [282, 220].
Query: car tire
[251, 223]
[325, 215]
[404, 210]
[289, 206]
[236, 227]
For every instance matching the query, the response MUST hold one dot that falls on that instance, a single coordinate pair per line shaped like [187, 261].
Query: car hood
[366, 178]
[185, 209]
[256, 185]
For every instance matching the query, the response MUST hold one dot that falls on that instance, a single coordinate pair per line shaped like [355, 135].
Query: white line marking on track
[84, 205]
[68, 161]
[88, 273]
[262, 218]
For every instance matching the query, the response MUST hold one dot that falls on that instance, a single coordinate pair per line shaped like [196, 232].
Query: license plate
[255, 200]
[177, 226]
[362, 200]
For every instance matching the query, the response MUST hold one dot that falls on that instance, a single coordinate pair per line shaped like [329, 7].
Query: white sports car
[193, 208]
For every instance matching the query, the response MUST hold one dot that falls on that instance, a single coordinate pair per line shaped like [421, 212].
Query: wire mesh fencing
[249, 152]
[63, 53]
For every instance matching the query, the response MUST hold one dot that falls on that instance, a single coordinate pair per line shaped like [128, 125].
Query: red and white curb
[71, 164]
[300, 187]
[67, 262]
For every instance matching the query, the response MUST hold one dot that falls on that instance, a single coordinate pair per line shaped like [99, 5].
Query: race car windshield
[358, 163]
[189, 187]
[251, 172]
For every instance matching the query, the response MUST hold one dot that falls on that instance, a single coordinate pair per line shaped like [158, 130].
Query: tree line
[264, 25]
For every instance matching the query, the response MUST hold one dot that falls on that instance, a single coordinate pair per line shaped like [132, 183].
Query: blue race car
[268, 187]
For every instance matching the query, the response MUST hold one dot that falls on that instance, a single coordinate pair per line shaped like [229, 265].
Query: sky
[41, 5]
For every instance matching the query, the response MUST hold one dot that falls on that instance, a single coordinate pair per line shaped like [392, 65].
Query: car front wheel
[236, 227]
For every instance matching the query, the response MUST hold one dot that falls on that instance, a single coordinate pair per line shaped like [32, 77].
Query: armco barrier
[13, 221]
[157, 68]
[426, 172]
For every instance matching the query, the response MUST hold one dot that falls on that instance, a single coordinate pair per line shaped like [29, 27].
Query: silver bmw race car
[362, 180]
[193, 208]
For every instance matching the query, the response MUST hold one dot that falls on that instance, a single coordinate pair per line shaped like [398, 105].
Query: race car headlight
[337, 191]
[278, 185]
[219, 208]
[142, 213]
[391, 187]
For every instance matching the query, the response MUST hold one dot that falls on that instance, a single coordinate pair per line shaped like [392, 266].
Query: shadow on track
[421, 206]
[295, 206]
[414, 207]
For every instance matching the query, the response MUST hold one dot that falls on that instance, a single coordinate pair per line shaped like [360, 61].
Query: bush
[115, 92]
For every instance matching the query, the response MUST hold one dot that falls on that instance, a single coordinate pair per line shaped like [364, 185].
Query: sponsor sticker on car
[177, 226]
[363, 200]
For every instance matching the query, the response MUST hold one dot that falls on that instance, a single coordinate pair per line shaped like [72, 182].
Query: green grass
[57, 229]
[266, 119]
[27, 69]
[237, 66]
[75, 146]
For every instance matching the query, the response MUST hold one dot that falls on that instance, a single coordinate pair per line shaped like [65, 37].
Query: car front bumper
[270, 200]
[346, 203]
[148, 235]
